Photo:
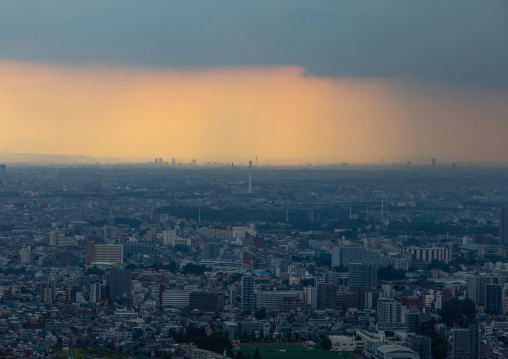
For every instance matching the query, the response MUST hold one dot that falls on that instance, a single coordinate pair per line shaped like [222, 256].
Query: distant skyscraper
[433, 162]
[250, 176]
[247, 292]
[503, 226]
[3, 170]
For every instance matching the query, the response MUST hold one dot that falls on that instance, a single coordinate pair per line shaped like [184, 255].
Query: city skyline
[288, 82]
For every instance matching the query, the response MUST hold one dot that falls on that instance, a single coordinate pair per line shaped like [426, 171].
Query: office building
[326, 296]
[175, 298]
[389, 315]
[342, 256]
[389, 311]
[130, 249]
[310, 296]
[48, 292]
[370, 297]
[273, 300]
[247, 292]
[97, 292]
[104, 253]
[476, 287]
[25, 255]
[53, 238]
[494, 298]
[465, 343]
[362, 276]
[169, 237]
[210, 251]
[420, 344]
[206, 301]
[119, 284]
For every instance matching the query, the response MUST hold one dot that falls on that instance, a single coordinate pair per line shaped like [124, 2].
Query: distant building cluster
[133, 261]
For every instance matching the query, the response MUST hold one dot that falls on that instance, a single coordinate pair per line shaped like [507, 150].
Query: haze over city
[286, 81]
[269, 179]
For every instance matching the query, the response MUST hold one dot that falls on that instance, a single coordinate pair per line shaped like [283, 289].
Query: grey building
[119, 284]
[247, 292]
[362, 276]
[465, 343]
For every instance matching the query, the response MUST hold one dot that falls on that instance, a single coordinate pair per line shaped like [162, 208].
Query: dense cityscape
[184, 261]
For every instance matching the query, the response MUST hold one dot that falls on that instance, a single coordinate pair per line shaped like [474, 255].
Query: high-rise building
[465, 343]
[494, 298]
[3, 170]
[389, 311]
[53, 238]
[119, 284]
[389, 315]
[362, 276]
[420, 344]
[477, 286]
[503, 226]
[25, 255]
[310, 296]
[210, 251]
[97, 292]
[326, 296]
[48, 292]
[247, 292]
[169, 237]
[90, 252]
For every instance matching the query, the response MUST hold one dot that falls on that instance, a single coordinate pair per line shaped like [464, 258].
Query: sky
[287, 81]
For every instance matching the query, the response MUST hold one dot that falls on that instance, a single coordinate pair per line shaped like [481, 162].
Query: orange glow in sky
[138, 113]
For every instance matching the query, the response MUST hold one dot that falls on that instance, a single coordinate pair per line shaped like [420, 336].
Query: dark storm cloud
[451, 42]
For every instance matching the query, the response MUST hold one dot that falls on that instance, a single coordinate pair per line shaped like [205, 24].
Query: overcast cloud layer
[454, 43]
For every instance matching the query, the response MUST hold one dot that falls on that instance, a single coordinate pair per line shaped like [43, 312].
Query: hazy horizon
[292, 81]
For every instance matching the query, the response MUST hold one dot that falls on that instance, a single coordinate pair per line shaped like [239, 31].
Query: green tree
[307, 282]
[246, 313]
[260, 314]
[94, 271]
[326, 343]
[461, 312]
[390, 273]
